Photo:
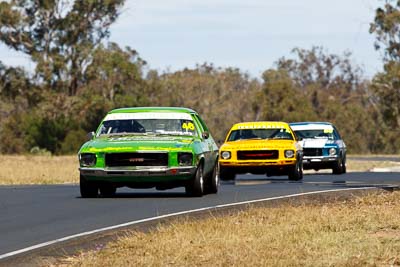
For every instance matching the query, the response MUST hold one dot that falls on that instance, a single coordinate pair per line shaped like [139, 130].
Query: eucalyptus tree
[328, 87]
[60, 36]
[386, 28]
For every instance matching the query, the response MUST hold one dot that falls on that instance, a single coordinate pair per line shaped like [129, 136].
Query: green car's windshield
[244, 134]
[147, 123]
[315, 134]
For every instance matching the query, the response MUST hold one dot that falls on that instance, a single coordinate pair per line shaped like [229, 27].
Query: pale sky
[250, 35]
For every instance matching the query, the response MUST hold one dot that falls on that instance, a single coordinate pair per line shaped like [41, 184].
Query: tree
[59, 35]
[386, 27]
[332, 73]
[115, 72]
[281, 100]
[327, 87]
[386, 86]
[222, 96]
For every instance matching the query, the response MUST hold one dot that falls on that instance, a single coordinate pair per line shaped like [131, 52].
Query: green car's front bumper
[138, 175]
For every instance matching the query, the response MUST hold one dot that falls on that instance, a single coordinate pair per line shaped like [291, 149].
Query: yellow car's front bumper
[256, 163]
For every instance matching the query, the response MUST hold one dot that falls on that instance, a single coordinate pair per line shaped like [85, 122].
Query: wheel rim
[216, 176]
[201, 180]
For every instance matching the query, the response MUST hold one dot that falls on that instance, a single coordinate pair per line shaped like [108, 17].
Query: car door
[210, 148]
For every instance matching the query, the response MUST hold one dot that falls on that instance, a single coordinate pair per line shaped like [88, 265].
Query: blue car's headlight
[332, 151]
[87, 159]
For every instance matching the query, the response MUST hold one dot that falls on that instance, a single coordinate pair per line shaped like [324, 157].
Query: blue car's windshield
[315, 134]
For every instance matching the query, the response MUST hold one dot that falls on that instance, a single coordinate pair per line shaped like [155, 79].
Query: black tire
[213, 180]
[107, 190]
[296, 172]
[195, 188]
[338, 166]
[88, 189]
[225, 174]
[344, 167]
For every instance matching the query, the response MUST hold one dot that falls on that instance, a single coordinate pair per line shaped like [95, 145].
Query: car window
[244, 134]
[202, 123]
[336, 132]
[316, 134]
[168, 124]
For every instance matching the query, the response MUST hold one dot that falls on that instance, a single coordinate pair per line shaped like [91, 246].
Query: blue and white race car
[323, 148]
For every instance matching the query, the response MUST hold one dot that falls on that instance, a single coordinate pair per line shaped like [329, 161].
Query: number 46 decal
[188, 126]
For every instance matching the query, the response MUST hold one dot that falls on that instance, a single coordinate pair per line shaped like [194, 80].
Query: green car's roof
[150, 109]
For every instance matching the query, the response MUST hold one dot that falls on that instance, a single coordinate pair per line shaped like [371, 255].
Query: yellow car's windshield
[246, 134]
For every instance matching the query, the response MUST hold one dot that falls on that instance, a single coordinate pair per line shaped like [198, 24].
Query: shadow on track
[143, 195]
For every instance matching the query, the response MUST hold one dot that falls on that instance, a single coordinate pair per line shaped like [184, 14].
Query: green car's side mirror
[205, 135]
[90, 136]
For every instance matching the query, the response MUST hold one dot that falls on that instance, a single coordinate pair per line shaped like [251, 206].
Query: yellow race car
[261, 148]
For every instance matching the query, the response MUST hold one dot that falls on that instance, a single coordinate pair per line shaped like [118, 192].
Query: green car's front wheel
[88, 189]
[213, 180]
[195, 187]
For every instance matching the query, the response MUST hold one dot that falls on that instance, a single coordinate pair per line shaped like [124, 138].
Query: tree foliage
[57, 121]
[59, 35]
[386, 27]
[221, 96]
[316, 85]
[79, 77]
[386, 84]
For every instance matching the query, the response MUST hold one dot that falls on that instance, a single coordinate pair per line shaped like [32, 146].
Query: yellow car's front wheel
[296, 172]
[226, 174]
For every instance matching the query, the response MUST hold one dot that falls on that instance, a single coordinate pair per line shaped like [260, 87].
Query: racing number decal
[188, 126]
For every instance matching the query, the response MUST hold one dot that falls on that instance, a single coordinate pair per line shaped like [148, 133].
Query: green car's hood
[135, 143]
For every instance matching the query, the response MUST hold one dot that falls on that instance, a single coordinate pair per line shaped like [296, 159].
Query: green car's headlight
[185, 159]
[289, 153]
[87, 159]
[226, 154]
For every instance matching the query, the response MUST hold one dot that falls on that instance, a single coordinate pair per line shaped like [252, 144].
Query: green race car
[161, 147]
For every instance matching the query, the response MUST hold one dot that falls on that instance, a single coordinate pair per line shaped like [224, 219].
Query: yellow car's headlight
[226, 154]
[289, 153]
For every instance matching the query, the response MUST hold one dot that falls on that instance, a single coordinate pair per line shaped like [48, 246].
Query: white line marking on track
[55, 241]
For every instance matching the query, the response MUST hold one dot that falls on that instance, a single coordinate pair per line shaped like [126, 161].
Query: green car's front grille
[136, 159]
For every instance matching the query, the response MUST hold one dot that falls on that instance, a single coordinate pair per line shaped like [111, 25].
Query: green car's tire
[296, 172]
[107, 191]
[213, 181]
[195, 188]
[88, 189]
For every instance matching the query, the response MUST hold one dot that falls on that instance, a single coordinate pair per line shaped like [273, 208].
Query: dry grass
[38, 170]
[361, 232]
[363, 165]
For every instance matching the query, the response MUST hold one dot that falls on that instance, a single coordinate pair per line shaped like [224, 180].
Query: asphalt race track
[32, 215]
